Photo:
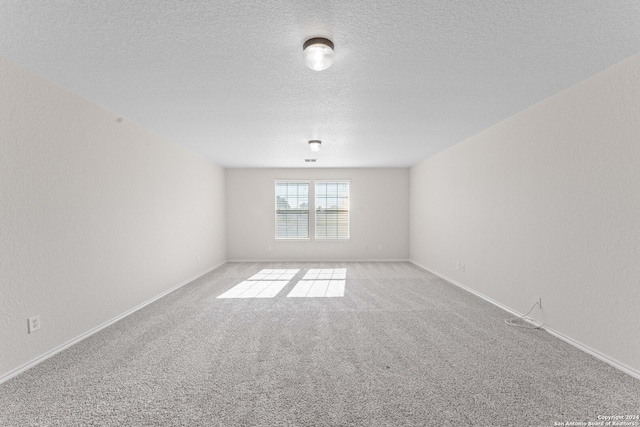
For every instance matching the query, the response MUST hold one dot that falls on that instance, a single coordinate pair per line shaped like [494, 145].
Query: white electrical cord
[510, 321]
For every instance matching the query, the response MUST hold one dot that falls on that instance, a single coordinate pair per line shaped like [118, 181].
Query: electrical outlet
[34, 323]
[462, 267]
[380, 248]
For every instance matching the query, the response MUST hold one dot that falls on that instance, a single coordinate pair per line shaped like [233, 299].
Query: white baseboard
[595, 353]
[340, 260]
[460, 285]
[17, 371]
[613, 362]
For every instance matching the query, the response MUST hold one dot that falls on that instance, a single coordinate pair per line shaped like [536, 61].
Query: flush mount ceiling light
[318, 53]
[314, 145]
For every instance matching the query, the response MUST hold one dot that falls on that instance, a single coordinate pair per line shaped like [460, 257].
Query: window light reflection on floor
[267, 283]
[255, 289]
[277, 274]
[326, 274]
[317, 288]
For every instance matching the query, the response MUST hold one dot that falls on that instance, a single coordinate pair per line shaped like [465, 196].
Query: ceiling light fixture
[314, 145]
[318, 53]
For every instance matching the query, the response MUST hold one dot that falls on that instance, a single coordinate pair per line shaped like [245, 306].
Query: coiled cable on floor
[511, 321]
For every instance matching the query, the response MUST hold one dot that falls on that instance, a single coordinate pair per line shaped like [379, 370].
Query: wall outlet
[34, 323]
[380, 248]
[268, 248]
[462, 267]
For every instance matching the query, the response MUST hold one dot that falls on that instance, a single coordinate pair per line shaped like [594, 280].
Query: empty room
[357, 213]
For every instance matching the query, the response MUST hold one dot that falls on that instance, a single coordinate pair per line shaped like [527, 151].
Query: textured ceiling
[227, 78]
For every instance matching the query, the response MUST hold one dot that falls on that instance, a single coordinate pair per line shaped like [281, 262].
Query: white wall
[379, 202]
[96, 216]
[546, 203]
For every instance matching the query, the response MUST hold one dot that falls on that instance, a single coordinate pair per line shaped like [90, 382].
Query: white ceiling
[227, 78]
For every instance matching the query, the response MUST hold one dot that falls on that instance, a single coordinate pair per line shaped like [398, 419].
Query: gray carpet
[401, 348]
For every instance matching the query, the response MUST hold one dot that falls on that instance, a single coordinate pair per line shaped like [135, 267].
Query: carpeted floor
[401, 348]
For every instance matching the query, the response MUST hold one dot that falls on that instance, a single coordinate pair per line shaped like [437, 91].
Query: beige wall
[546, 204]
[379, 202]
[96, 216]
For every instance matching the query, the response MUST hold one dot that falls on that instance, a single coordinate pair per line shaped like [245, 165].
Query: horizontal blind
[332, 209]
[292, 210]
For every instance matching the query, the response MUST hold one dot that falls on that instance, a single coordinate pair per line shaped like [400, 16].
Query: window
[332, 209]
[292, 209]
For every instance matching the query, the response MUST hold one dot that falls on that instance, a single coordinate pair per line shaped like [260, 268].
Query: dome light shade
[314, 145]
[318, 53]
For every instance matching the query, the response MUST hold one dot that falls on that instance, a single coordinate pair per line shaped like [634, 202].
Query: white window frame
[315, 208]
[309, 200]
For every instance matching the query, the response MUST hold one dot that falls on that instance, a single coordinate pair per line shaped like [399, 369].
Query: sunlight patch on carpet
[318, 289]
[326, 274]
[255, 289]
[274, 274]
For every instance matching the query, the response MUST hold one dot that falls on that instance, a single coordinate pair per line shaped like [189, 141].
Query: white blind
[332, 209]
[292, 210]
